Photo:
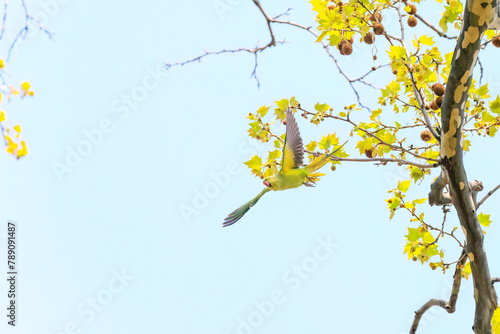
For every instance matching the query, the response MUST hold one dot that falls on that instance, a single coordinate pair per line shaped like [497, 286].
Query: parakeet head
[271, 182]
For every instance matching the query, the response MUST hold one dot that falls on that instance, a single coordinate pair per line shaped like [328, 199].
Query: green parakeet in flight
[291, 175]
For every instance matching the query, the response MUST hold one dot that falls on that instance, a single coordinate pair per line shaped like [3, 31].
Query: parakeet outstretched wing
[238, 213]
[293, 150]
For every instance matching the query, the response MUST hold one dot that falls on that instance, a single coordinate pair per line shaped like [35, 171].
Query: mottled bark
[477, 17]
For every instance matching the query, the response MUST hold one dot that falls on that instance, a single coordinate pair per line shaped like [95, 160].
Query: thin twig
[445, 211]
[371, 134]
[440, 33]
[383, 160]
[269, 20]
[24, 30]
[4, 18]
[488, 195]
[419, 96]
[429, 226]
[254, 51]
[481, 70]
[283, 14]
[327, 50]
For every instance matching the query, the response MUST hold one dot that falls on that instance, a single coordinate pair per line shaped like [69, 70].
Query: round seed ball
[411, 9]
[346, 48]
[412, 21]
[496, 41]
[426, 135]
[369, 38]
[438, 89]
[378, 29]
[439, 101]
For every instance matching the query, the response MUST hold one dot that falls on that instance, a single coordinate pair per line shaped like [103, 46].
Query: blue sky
[103, 245]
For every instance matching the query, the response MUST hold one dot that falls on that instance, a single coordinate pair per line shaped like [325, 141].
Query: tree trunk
[478, 15]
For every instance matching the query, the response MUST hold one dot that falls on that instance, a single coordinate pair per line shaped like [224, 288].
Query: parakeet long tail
[238, 213]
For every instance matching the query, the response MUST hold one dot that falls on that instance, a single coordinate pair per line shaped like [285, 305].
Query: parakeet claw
[310, 179]
[307, 184]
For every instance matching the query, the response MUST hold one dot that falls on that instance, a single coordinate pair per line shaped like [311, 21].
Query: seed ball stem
[377, 17]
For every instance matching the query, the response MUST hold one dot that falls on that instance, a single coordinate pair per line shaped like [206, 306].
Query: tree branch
[441, 230]
[327, 50]
[273, 42]
[436, 195]
[382, 160]
[373, 135]
[487, 195]
[254, 51]
[475, 187]
[449, 305]
[269, 20]
[419, 96]
[440, 33]
[4, 18]
[24, 30]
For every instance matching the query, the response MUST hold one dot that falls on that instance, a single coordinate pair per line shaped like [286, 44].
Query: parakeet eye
[267, 184]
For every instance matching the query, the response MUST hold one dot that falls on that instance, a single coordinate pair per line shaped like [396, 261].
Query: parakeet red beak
[267, 184]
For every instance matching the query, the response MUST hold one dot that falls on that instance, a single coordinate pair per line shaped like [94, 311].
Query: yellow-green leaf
[466, 271]
[495, 321]
[495, 105]
[404, 185]
[263, 111]
[484, 219]
[420, 201]
[425, 40]
[254, 163]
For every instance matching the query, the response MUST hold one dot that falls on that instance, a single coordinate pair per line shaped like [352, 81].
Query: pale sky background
[117, 213]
